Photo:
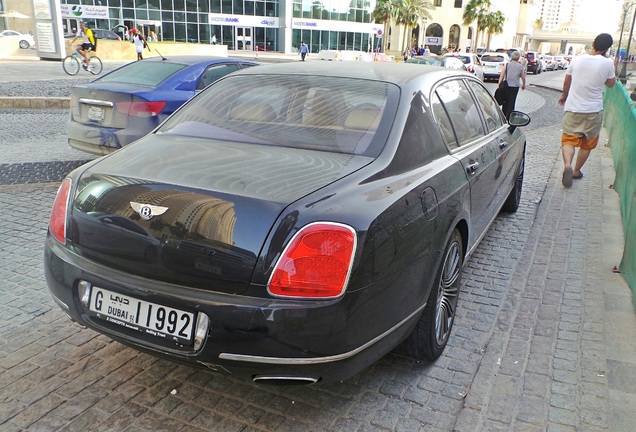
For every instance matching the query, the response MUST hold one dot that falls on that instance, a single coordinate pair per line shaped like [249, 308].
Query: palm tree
[384, 12]
[420, 11]
[493, 24]
[411, 12]
[476, 10]
[538, 24]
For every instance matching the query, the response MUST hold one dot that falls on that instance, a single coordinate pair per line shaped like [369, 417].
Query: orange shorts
[579, 141]
[581, 129]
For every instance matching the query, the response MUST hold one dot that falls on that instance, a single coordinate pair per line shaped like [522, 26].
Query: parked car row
[535, 62]
[267, 225]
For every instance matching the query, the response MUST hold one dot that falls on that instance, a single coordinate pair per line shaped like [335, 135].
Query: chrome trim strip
[96, 102]
[316, 360]
[261, 378]
[60, 303]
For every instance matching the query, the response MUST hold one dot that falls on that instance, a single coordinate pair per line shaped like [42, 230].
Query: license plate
[96, 113]
[151, 318]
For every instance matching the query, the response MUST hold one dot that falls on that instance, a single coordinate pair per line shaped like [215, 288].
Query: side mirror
[518, 118]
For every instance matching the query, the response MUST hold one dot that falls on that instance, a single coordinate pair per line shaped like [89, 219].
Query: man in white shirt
[582, 101]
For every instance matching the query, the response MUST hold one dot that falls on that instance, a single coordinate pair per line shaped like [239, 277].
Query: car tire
[431, 333]
[514, 197]
[24, 44]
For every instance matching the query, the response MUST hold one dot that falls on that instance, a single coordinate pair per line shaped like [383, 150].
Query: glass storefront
[334, 25]
[239, 24]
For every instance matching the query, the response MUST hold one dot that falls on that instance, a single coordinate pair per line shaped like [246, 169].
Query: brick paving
[528, 351]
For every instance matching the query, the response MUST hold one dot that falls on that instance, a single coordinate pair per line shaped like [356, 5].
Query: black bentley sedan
[293, 223]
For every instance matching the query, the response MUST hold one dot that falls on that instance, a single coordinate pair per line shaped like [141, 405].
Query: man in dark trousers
[304, 49]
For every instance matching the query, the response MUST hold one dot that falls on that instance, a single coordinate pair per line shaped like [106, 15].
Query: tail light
[57, 222]
[140, 109]
[470, 68]
[316, 263]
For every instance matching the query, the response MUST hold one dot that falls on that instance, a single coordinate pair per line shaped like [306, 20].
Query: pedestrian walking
[213, 40]
[514, 74]
[140, 43]
[582, 100]
[304, 49]
[406, 54]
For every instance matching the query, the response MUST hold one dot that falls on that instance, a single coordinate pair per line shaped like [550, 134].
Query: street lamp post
[623, 73]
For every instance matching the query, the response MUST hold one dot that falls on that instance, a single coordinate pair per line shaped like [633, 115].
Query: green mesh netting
[620, 121]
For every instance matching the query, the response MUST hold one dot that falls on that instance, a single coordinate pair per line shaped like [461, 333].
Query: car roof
[391, 72]
[496, 54]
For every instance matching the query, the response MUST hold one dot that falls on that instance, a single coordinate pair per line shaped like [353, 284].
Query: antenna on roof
[162, 57]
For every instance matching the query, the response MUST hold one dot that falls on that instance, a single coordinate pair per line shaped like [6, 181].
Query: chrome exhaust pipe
[284, 380]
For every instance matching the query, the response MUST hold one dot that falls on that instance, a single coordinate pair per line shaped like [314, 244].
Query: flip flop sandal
[578, 177]
[567, 177]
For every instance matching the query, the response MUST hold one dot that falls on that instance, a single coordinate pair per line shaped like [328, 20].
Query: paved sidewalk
[562, 356]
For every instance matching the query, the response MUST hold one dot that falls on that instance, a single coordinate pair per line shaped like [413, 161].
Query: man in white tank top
[582, 100]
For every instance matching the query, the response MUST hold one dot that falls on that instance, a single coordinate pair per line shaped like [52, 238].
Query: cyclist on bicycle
[88, 43]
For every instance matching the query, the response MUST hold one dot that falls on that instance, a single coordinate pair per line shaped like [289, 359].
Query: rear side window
[491, 112]
[462, 111]
[311, 112]
[144, 73]
[214, 72]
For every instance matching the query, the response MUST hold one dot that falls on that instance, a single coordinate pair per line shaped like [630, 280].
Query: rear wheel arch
[462, 227]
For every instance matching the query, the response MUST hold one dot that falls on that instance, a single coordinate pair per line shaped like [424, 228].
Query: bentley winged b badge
[147, 211]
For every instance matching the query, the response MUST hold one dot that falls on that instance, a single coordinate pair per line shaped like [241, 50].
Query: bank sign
[243, 20]
[81, 11]
[328, 25]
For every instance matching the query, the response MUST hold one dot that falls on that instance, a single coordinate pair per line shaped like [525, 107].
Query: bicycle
[71, 63]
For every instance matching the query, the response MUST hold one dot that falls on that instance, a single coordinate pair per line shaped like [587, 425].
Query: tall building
[555, 13]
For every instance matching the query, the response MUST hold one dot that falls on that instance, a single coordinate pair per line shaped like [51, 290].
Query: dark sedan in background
[292, 223]
[127, 103]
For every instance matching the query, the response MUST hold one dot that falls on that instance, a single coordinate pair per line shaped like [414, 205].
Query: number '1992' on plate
[140, 315]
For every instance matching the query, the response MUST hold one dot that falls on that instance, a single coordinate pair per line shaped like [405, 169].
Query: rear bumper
[99, 140]
[257, 338]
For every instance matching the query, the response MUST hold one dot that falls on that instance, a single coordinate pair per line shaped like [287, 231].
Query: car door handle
[472, 167]
[503, 145]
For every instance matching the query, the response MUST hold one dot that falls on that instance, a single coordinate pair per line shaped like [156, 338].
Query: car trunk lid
[193, 211]
[106, 105]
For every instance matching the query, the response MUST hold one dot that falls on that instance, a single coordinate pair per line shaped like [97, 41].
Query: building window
[438, 3]
[458, 4]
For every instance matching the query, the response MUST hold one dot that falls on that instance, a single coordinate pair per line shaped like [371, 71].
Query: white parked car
[25, 41]
[492, 63]
[561, 62]
[471, 61]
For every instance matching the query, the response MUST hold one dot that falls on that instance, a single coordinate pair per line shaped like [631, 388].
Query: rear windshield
[464, 59]
[143, 73]
[301, 111]
[433, 61]
[490, 58]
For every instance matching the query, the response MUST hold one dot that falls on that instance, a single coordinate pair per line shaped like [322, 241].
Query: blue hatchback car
[129, 102]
